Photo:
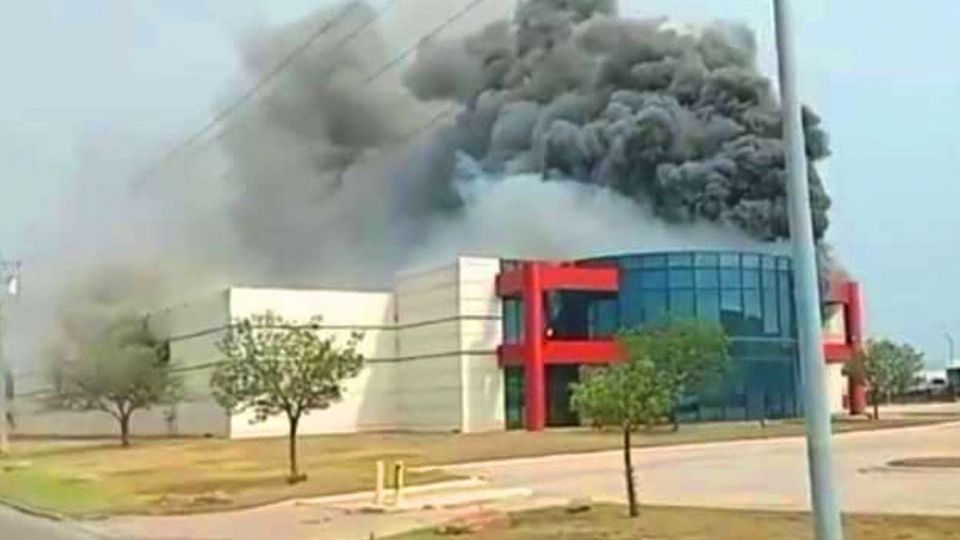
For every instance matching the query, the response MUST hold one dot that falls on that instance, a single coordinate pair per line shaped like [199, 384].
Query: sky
[142, 73]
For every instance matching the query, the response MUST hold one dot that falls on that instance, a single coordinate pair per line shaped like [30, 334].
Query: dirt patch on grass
[607, 522]
[949, 462]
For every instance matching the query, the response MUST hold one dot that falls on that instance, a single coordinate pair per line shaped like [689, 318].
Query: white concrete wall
[428, 353]
[836, 387]
[429, 348]
[368, 402]
[480, 333]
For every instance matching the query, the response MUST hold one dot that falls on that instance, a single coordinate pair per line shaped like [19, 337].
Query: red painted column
[533, 328]
[857, 386]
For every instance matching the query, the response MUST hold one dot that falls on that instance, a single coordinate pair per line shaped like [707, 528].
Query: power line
[429, 35]
[225, 113]
[254, 90]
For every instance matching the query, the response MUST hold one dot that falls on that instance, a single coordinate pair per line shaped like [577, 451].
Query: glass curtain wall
[750, 294]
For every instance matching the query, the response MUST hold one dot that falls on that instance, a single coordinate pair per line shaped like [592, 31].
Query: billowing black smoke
[680, 119]
[648, 136]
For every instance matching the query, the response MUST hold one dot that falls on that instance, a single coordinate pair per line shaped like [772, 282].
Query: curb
[471, 482]
[33, 511]
[691, 446]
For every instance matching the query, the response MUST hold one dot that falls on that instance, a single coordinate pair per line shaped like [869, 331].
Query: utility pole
[823, 491]
[950, 349]
[10, 279]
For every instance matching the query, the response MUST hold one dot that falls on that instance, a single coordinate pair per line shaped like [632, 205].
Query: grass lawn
[609, 522]
[80, 478]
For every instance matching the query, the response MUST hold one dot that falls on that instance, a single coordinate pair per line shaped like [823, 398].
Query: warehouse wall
[368, 401]
[428, 352]
[480, 315]
[193, 329]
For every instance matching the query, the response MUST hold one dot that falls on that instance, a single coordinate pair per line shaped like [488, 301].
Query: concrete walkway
[765, 474]
[338, 517]
[16, 525]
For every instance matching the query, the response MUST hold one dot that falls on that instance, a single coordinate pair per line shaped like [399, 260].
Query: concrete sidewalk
[351, 516]
[760, 474]
[757, 473]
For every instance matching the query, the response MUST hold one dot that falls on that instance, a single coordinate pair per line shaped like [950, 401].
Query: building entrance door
[559, 381]
[514, 402]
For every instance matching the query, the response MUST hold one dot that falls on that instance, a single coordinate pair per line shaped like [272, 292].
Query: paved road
[757, 474]
[17, 526]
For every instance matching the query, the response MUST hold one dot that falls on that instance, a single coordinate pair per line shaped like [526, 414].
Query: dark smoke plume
[648, 136]
[680, 119]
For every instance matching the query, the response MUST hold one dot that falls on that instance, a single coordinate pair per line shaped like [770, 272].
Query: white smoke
[523, 216]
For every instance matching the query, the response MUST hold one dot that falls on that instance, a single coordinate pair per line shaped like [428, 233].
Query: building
[586, 302]
[468, 347]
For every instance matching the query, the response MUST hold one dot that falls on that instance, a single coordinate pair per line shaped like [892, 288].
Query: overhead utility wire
[226, 112]
[254, 90]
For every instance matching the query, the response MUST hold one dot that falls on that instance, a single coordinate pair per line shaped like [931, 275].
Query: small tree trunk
[125, 429]
[876, 405]
[292, 442]
[628, 469]
[675, 420]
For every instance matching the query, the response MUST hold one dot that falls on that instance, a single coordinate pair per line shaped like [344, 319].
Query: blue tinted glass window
[730, 260]
[752, 319]
[769, 263]
[731, 301]
[708, 278]
[654, 305]
[751, 261]
[654, 261]
[681, 278]
[707, 259]
[603, 318]
[730, 277]
[708, 304]
[631, 262]
[731, 310]
[680, 259]
[771, 315]
[786, 306]
[653, 279]
[681, 303]
[769, 279]
[513, 320]
[783, 263]
[751, 279]
[631, 310]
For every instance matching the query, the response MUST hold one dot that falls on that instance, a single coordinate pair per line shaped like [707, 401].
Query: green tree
[687, 353]
[122, 370]
[889, 369]
[273, 367]
[662, 361]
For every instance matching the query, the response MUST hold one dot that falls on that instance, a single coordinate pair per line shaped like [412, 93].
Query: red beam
[559, 276]
[510, 283]
[594, 352]
[534, 375]
[511, 355]
[837, 353]
[563, 277]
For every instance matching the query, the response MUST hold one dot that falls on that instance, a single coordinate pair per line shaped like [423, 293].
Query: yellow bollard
[398, 473]
[381, 476]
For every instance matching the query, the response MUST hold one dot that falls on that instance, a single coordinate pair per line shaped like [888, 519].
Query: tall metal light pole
[823, 491]
[950, 349]
[10, 281]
